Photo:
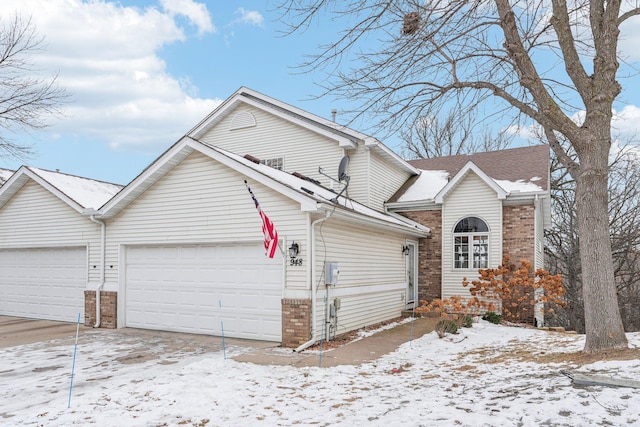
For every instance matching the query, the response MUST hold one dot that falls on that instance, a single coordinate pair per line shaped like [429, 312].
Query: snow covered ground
[486, 376]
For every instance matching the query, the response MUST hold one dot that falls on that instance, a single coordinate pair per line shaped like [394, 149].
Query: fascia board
[232, 102]
[342, 141]
[386, 152]
[377, 223]
[414, 205]
[20, 178]
[147, 178]
[470, 167]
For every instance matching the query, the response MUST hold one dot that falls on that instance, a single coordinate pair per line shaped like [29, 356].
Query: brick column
[108, 309]
[296, 322]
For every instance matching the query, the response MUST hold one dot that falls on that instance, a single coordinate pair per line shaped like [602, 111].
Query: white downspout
[312, 247]
[103, 235]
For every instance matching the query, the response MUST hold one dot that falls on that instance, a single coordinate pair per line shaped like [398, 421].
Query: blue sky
[141, 73]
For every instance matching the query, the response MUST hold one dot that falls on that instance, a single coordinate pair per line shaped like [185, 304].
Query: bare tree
[449, 136]
[26, 99]
[563, 255]
[547, 62]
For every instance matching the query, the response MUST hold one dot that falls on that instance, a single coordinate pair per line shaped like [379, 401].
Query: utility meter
[331, 273]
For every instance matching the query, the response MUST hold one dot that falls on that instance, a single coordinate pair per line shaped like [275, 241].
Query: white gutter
[312, 247]
[103, 235]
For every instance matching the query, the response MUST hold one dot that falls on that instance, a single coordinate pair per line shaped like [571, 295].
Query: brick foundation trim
[296, 322]
[108, 309]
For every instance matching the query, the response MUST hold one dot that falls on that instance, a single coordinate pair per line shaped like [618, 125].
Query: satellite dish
[342, 168]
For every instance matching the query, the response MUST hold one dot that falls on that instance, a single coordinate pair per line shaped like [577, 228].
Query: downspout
[103, 235]
[312, 246]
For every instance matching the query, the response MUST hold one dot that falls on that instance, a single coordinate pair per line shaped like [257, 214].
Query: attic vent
[242, 120]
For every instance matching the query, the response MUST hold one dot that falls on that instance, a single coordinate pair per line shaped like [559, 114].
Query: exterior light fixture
[294, 249]
[405, 249]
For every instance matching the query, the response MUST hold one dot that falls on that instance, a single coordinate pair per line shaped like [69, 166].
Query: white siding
[372, 281]
[471, 197]
[303, 151]
[373, 180]
[35, 218]
[384, 181]
[201, 201]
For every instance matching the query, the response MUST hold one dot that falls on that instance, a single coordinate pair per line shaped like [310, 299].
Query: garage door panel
[43, 283]
[193, 288]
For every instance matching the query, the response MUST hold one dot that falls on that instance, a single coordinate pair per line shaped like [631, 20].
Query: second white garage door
[43, 283]
[203, 289]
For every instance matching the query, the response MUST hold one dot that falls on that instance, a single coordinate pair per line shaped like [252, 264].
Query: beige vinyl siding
[471, 197]
[303, 150]
[384, 181]
[202, 201]
[372, 281]
[35, 218]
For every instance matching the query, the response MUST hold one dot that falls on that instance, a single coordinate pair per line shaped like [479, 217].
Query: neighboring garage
[43, 283]
[202, 288]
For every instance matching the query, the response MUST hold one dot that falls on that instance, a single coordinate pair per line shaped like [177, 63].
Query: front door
[412, 274]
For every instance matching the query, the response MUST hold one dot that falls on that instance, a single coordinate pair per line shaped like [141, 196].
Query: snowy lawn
[486, 376]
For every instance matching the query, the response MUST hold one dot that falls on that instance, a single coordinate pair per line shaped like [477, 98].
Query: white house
[181, 247]
[45, 240]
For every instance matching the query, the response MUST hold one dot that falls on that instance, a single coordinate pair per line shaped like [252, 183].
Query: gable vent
[242, 120]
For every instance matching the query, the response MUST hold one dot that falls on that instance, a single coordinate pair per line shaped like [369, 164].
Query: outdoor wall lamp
[405, 249]
[293, 253]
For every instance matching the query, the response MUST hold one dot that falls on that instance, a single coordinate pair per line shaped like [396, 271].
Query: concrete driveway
[19, 331]
[139, 345]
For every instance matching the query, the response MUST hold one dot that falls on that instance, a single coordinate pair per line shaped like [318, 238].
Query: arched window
[471, 243]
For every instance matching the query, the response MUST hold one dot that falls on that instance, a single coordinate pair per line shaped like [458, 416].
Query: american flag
[268, 229]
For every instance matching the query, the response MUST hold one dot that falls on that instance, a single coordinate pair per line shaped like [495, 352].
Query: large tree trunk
[603, 324]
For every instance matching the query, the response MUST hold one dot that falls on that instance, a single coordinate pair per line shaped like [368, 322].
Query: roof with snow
[515, 170]
[311, 196]
[78, 192]
[5, 174]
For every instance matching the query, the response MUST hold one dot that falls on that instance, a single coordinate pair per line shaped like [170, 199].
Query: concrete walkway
[354, 353]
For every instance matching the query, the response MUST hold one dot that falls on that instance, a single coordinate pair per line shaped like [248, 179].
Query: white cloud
[197, 13]
[106, 56]
[250, 17]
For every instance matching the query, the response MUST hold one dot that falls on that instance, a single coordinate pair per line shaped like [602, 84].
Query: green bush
[446, 326]
[465, 321]
[492, 317]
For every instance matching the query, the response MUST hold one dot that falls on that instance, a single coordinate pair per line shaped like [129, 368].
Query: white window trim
[471, 237]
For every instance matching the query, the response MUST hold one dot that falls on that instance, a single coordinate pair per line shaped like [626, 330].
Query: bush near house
[515, 290]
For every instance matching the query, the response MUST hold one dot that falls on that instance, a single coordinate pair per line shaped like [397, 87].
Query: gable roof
[78, 192]
[5, 174]
[509, 172]
[311, 196]
[345, 137]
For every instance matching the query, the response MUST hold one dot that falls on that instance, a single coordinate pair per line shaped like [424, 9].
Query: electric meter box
[331, 273]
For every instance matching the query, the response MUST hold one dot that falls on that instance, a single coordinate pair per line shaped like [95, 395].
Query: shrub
[493, 317]
[445, 326]
[465, 321]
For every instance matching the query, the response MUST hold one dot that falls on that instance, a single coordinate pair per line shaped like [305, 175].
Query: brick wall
[518, 241]
[430, 258]
[296, 322]
[108, 309]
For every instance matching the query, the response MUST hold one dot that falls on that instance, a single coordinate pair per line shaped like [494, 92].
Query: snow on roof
[428, 184]
[5, 174]
[518, 186]
[318, 192]
[88, 193]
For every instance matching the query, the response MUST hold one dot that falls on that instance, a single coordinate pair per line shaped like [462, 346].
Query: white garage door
[43, 283]
[204, 289]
